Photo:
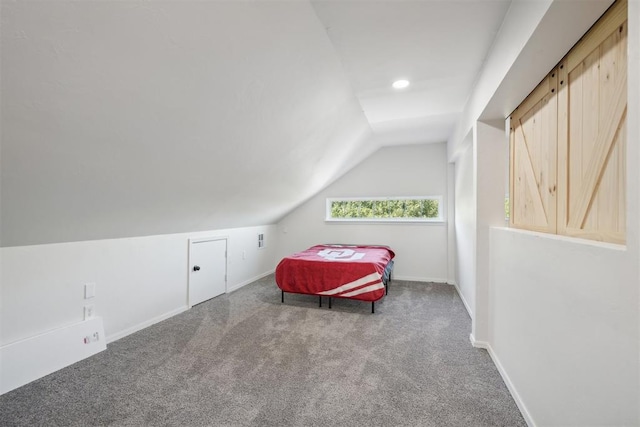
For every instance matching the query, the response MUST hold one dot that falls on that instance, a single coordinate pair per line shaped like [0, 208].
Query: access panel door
[207, 269]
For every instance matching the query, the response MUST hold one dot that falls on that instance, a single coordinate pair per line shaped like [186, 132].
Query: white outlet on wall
[92, 338]
[89, 290]
[89, 311]
[244, 254]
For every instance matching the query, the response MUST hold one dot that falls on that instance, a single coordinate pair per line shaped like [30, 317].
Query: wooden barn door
[592, 105]
[533, 145]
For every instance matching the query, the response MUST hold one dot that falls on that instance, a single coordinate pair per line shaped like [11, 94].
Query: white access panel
[207, 269]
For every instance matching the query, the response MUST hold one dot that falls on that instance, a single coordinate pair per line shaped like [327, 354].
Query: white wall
[564, 327]
[451, 225]
[491, 145]
[564, 323]
[411, 170]
[518, 25]
[534, 36]
[465, 220]
[633, 133]
[139, 280]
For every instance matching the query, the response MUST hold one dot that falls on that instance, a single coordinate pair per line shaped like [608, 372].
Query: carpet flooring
[245, 359]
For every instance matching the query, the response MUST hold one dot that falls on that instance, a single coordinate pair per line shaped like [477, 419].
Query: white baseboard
[246, 282]
[116, 336]
[464, 301]
[478, 344]
[418, 279]
[24, 361]
[505, 377]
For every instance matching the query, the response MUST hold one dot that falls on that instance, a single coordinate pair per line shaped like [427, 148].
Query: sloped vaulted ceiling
[146, 117]
[138, 117]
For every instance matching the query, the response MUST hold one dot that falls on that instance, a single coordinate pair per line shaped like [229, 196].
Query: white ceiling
[130, 118]
[138, 117]
[439, 46]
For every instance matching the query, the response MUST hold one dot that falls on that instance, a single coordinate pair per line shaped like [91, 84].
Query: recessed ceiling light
[400, 84]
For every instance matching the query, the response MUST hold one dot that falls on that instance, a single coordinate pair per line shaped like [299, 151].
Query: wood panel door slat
[533, 159]
[592, 100]
[599, 155]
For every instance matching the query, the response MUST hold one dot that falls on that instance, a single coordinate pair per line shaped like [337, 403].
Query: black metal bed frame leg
[329, 302]
[282, 296]
[320, 303]
[373, 305]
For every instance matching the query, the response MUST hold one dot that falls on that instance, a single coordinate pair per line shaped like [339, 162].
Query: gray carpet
[245, 359]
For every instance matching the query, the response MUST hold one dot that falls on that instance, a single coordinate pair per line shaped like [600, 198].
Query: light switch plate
[89, 290]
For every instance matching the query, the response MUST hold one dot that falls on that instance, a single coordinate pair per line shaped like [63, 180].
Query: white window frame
[439, 219]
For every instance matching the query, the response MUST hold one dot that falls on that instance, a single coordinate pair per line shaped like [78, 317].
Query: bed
[360, 272]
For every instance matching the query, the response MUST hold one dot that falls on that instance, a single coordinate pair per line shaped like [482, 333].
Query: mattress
[340, 271]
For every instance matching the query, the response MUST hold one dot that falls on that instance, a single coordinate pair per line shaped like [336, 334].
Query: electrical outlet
[89, 311]
[244, 254]
[91, 338]
[89, 290]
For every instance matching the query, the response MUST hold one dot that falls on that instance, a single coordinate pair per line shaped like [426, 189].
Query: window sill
[565, 239]
[386, 221]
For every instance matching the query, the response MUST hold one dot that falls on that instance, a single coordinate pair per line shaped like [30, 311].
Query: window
[385, 209]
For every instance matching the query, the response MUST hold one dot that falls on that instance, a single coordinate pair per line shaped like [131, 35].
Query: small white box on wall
[22, 362]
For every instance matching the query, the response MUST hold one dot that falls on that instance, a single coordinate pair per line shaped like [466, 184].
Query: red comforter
[336, 270]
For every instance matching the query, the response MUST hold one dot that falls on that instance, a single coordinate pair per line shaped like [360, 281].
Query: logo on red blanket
[340, 254]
